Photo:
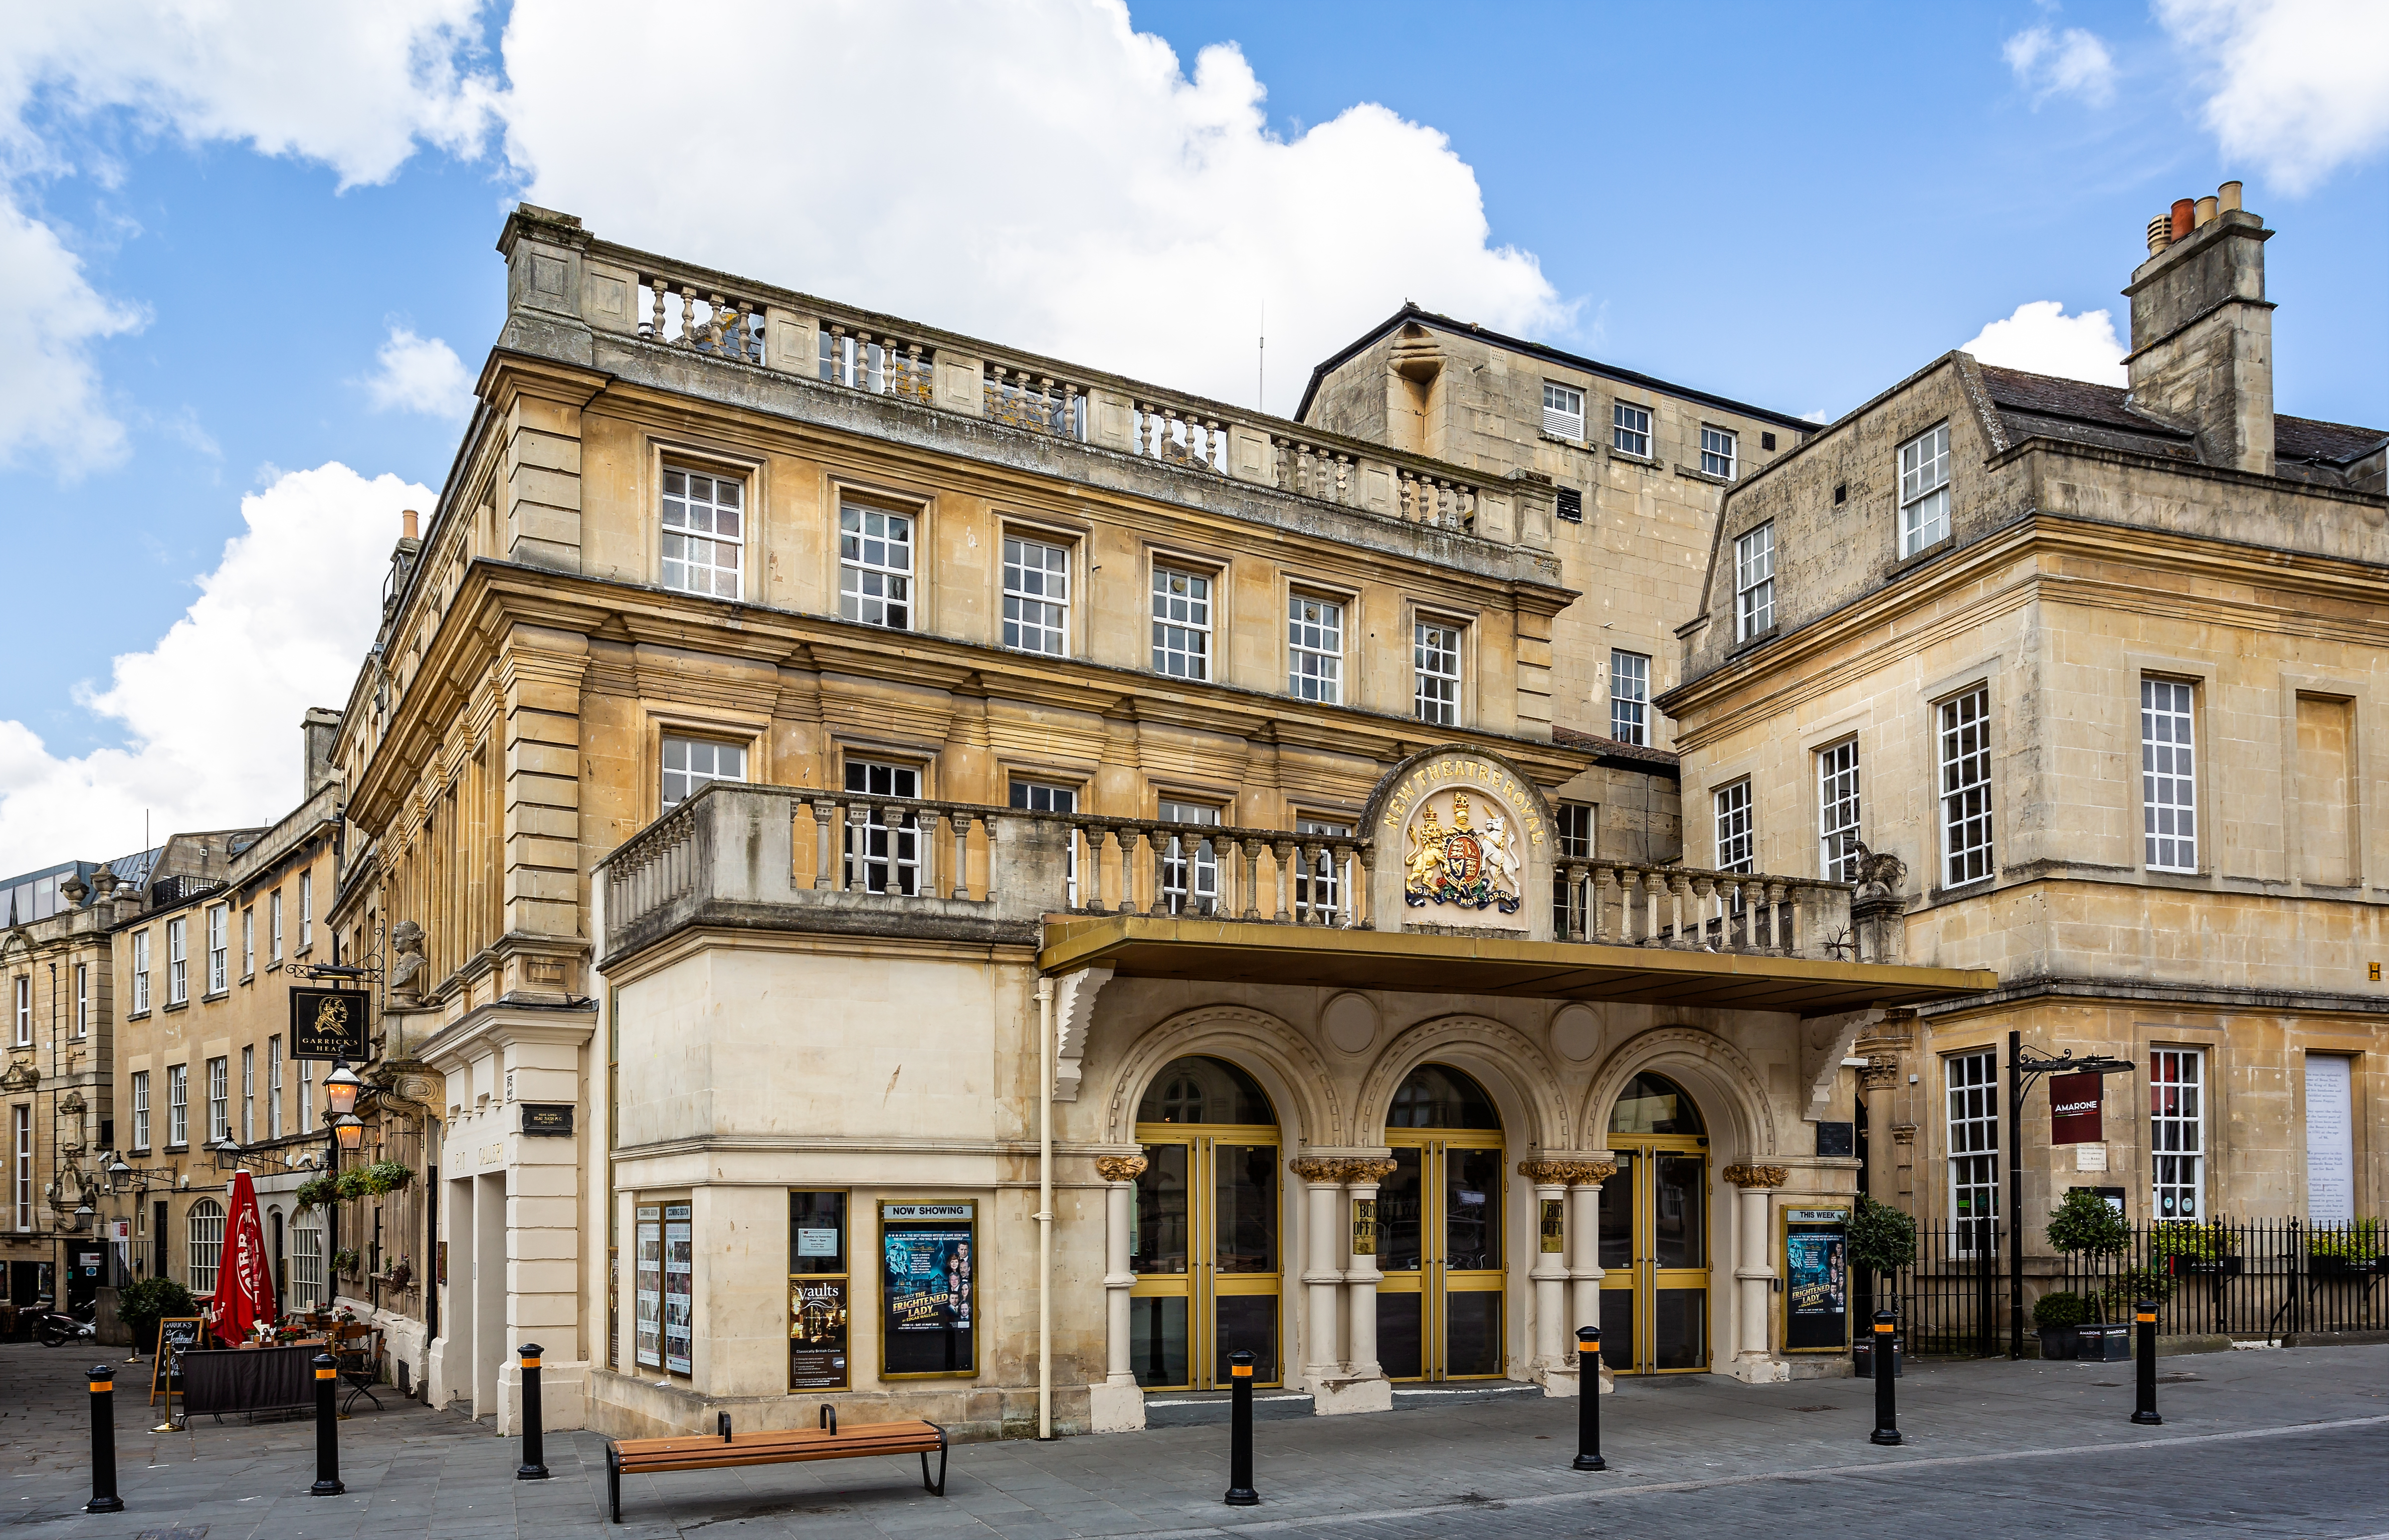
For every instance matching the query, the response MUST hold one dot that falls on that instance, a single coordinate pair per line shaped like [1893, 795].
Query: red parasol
[244, 1294]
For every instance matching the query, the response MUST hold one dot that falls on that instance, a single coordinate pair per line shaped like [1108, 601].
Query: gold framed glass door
[1204, 1238]
[1440, 1303]
[1655, 1234]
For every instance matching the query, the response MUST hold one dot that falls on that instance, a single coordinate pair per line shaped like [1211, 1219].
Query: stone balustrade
[873, 861]
[1029, 398]
[863, 359]
[686, 313]
[688, 308]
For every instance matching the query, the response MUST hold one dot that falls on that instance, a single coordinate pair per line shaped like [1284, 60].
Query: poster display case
[1815, 1262]
[818, 1281]
[928, 1290]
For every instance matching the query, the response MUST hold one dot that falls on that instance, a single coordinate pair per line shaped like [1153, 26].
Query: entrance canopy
[1241, 952]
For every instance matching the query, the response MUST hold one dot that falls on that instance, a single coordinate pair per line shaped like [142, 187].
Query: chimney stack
[406, 525]
[2202, 353]
[319, 729]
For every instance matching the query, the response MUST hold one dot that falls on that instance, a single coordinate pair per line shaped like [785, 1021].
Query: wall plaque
[331, 1024]
[1555, 1227]
[1364, 1226]
[546, 1118]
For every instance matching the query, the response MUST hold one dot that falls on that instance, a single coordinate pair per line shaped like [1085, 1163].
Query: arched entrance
[1203, 1240]
[1439, 1305]
[1655, 1232]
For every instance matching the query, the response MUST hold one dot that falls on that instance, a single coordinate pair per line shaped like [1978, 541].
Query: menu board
[817, 1291]
[1816, 1289]
[679, 1270]
[650, 1286]
[927, 1289]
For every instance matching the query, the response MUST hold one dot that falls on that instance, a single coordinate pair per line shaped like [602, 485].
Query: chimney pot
[406, 522]
[2227, 197]
[2205, 212]
[2160, 233]
[2184, 211]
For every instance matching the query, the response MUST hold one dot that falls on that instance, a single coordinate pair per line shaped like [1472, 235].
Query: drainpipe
[1044, 1208]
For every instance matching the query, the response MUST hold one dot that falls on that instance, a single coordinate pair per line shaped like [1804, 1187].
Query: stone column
[1876, 1083]
[1549, 1273]
[1368, 1388]
[1322, 1273]
[1753, 1273]
[1584, 1261]
[1117, 1405]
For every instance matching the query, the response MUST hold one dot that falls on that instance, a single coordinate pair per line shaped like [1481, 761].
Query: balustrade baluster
[1306, 887]
[1603, 879]
[988, 824]
[1704, 891]
[1579, 904]
[1094, 871]
[1070, 429]
[1045, 403]
[1774, 941]
[1126, 839]
[1215, 446]
[961, 823]
[1252, 892]
[1652, 886]
[1281, 462]
[687, 316]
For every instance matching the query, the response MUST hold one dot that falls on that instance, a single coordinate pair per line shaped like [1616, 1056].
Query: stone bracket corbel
[1825, 1041]
[1074, 1013]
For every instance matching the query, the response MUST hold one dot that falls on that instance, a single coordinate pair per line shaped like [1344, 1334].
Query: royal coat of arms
[1458, 864]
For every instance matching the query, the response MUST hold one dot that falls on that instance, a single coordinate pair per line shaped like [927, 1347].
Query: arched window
[1202, 1089]
[207, 1245]
[307, 1260]
[1436, 1096]
[1654, 1104]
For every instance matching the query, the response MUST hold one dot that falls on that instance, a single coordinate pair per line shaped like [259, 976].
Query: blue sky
[218, 228]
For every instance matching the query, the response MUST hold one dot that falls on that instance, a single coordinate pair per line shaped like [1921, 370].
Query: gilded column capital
[1119, 1168]
[1368, 1168]
[1325, 1170]
[1550, 1173]
[1758, 1176]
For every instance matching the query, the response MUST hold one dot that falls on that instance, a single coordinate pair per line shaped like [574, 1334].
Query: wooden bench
[778, 1446]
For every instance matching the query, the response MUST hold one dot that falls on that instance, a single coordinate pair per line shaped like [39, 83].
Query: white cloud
[211, 714]
[2042, 339]
[2071, 63]
[1038, 173]
[53, 404]
[2299, 88]
[419, 374]
[355, 87]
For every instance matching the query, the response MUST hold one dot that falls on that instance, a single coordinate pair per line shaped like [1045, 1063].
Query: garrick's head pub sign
[331, 1024]
[1468, 842]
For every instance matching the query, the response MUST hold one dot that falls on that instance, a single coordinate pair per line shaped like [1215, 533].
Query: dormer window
[1924, 490]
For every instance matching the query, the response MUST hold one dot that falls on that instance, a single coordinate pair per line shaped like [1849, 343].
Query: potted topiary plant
[145, 1301]
[2057, 1316]
[1881, 1240]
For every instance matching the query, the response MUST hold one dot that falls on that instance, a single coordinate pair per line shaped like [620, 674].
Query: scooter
[58, 1327]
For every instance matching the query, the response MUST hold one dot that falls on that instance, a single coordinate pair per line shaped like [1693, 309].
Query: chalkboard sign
[176, 1336]
[1837, 1141]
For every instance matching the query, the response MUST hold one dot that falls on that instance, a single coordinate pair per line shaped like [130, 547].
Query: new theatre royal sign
[1471, 837]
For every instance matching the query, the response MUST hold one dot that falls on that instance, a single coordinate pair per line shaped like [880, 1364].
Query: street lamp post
[2022, 1073]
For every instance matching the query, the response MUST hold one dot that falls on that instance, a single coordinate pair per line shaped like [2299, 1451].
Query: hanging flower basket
[318, 1191]
[383, 1177]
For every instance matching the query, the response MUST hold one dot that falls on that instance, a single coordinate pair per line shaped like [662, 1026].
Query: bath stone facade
[2095, 676]
[1637, 471]
[774, 690]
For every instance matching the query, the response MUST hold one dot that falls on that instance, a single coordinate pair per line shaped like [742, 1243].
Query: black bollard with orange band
[1588, 1389]
[1240, 1431]
[103, 1443]
[327, 1428]
[1887, 1411]
[2144, 1321]
[534, 1449]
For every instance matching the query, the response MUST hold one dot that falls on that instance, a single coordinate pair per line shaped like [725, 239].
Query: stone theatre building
[928, 877]
[874, 800]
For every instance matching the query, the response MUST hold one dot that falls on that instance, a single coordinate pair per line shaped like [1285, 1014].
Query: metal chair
[357, 1347]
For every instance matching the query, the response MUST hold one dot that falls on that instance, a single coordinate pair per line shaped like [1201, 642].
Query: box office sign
[1364, 1226]
[1552, 1226]
[927, 1291]
[331, 1024]
[2075, 1103]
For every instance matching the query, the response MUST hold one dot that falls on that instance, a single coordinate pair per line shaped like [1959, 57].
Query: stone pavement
[2285, 1442]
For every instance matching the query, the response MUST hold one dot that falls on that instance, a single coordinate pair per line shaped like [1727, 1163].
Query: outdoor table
[248, 1378]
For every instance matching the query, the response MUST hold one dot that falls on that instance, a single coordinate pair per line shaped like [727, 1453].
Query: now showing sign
[2075, 1103]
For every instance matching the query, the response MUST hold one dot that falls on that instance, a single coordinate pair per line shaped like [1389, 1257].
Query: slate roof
[2043, 405]
[1612, 748]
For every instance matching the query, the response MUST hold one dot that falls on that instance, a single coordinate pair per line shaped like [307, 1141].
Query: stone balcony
[1202, 900]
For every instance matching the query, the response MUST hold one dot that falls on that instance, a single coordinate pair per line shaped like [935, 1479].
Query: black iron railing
[2245, 1279]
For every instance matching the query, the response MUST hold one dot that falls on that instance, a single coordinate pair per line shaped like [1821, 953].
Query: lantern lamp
[350, 1131]
[340, 1089]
